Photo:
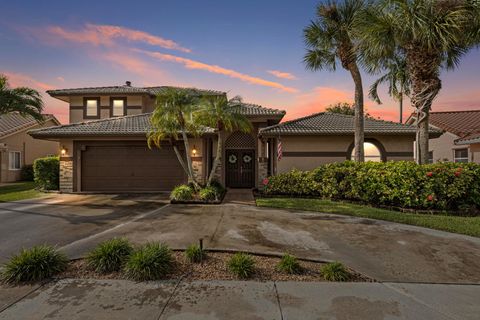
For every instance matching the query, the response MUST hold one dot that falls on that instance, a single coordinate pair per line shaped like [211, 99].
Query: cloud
[23, 80]
[282, 75]
[61, 79]
[106, 35]
[192, 64]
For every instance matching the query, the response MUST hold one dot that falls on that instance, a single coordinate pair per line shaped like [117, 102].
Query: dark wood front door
[240, 168]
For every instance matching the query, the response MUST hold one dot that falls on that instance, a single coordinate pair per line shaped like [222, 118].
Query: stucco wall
[475, 152]
[328, 149]
[30, 149]
[442, 147]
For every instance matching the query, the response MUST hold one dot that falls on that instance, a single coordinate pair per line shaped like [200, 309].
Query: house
[17, 148]
[460, 141]
[104, 146]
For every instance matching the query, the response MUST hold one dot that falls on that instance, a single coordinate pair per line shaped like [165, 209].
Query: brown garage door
[129, 167]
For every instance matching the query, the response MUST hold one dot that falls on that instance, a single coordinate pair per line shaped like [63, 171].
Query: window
[430, 157]
[118, 107]
[372, 153]
[460, 155]
[91, 106]
[15, 162]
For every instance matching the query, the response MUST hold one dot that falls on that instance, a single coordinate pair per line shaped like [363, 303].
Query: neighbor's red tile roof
[460, 123]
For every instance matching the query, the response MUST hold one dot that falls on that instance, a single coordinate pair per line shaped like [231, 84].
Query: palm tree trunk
[218, 158]
[400, 102]
[191, 174]
[359, 117]
[180, 159]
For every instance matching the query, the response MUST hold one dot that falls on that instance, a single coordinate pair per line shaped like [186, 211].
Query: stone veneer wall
[66, 175]
[198, 169]
[262, 171]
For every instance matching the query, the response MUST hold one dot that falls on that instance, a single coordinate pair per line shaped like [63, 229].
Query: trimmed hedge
[440, 186]
[26, 174]
[47, 173]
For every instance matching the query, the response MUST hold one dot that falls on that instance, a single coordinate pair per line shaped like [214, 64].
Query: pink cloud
[61, 79]
[106, 35]
[282, 75]
[192, 64]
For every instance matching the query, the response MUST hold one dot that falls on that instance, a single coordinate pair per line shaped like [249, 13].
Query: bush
[182, 193]
[218, 186]
[194, 253]
[440, 186]
[289, 264]
[47, 172]
[26, 174]
[334, 271]
[208, 194]
[241, 265]
[110, 255]
[35, 264]
[293, 183]
[152, 261]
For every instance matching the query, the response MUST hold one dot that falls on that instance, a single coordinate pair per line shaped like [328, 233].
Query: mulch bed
[214, 267]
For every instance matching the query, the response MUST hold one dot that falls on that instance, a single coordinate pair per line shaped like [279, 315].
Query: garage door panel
[129, 167]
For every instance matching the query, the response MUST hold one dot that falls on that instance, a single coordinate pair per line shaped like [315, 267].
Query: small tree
[345, 108]
[215, 112]
[172, 121]
[24, 100]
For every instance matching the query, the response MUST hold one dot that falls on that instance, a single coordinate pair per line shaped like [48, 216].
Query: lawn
[19, 191]
[463, 225]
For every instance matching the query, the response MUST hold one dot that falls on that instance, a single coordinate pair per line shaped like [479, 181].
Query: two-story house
[104, 147]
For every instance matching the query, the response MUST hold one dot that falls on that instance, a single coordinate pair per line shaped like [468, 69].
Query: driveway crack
[170, 298]
[216, 227]
[278, 299]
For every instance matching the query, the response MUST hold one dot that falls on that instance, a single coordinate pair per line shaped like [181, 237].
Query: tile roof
[328, 123]
[133, 125]
[124, 90]
[469, 139]
[460, 123]
[249, 109]
[14, 121]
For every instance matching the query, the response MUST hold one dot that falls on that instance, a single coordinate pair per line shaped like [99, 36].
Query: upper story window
[91, 107]
[371, 151]
[118, 107]
[15, 160]
[460, 155]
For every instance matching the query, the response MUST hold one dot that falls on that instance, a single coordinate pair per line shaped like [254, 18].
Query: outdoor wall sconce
[194, 151]
[63, 151]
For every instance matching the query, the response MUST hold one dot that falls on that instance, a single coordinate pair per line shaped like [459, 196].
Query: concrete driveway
[383, 250]
[64, 219]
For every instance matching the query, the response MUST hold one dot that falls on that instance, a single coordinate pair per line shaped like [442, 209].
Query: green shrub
[34, 264]
[152, 261]
[440, 186]
[47, 172]
[26, 174]
[218, 186]
[182, 193]
[208, 194]
[110, 255]
[194, 253]
[293, 183]
[241, 265]
[334, 271]
[289, 264]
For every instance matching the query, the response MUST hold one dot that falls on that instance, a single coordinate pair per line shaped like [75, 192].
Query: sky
[251, 48]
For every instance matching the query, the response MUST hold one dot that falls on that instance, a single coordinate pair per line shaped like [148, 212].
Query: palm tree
[330, 38]
[432, 34]
[172, 120]
[398, 82]
[24, 100]
[215, 112]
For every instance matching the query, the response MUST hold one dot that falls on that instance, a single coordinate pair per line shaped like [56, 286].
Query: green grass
[19, 191]
[463, 225]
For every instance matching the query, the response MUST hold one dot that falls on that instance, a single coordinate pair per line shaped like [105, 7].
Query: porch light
[194, 151]
[63, 151]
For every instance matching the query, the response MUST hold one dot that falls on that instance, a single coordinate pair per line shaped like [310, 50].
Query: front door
[240, 169]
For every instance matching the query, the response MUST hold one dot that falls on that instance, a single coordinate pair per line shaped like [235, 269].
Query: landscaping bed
[214, 267]
[186, 194]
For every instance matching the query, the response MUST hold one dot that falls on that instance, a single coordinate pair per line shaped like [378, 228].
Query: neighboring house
[104, 146]
[460, 141]
[17, 148]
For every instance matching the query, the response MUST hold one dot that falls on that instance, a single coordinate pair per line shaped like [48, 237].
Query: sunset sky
[250, 48]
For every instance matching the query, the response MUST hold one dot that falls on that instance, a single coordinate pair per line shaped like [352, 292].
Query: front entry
[240, 169]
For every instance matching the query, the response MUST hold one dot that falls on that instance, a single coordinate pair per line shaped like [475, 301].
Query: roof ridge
[255, 105]
[83, 88]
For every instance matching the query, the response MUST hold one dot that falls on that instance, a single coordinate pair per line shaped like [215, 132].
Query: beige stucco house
[460, 141]
[104, 147]
[17, 148]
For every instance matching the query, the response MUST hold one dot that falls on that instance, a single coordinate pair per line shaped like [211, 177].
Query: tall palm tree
[215, 112]
[432, 34]
[398, 82]
[172, 120]
[330, 38]
[24, 100]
